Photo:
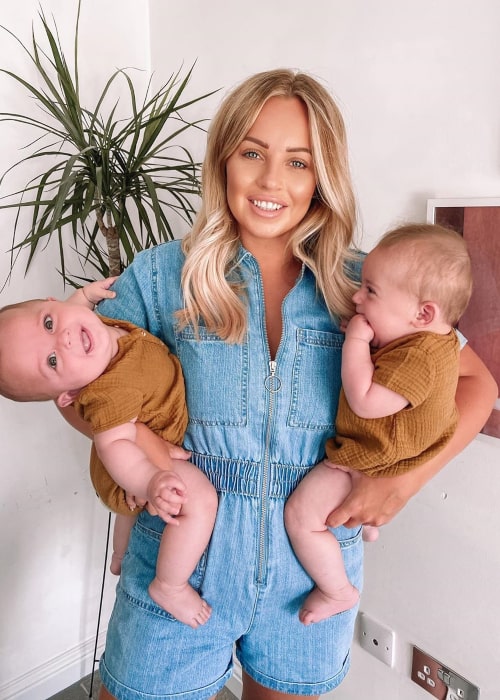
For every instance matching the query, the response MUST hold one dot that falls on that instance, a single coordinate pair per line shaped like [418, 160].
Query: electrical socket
[376, 638]
[438, 680]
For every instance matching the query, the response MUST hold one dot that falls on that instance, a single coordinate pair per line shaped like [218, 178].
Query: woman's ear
[427, 312]
[67, 397]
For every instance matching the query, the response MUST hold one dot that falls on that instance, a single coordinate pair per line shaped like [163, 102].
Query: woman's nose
[270, 176]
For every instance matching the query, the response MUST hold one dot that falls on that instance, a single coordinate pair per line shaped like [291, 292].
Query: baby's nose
[65, 338]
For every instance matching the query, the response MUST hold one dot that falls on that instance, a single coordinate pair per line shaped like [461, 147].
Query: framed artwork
[478, 221]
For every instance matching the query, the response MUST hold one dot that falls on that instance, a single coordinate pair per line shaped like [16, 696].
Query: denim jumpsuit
[256, 427]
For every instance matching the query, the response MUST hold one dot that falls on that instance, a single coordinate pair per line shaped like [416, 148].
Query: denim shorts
[255, 586]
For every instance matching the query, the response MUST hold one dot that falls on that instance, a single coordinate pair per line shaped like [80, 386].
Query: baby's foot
[116, 564]
[370, 533]
[183, 602]
[318, 606]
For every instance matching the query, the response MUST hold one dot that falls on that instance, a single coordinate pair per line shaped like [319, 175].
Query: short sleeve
[408, 371]
[107, 408]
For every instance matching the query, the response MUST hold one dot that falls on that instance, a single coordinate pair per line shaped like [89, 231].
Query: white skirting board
[68, 668]
[235, 684]
[55, 675]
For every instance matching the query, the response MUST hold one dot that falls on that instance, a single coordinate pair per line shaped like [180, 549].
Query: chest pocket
[315, 380]
[216, 377]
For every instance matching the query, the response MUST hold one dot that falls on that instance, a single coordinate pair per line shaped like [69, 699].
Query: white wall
[418, 85]
[52, 528]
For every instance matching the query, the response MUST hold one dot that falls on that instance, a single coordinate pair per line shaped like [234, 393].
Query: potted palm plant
[107, 186]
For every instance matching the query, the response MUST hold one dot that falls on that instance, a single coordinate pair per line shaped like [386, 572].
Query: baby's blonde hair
[322, 240]
[432, 262]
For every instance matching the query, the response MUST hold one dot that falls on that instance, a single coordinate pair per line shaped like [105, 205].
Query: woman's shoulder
[353, 263]
[170, 251]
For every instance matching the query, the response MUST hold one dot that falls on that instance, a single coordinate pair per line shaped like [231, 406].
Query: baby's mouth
[86, 341]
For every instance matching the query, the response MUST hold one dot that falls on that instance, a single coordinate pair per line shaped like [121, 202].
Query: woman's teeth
[268, 206]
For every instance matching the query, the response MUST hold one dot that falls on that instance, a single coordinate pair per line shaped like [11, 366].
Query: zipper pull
[272, 382]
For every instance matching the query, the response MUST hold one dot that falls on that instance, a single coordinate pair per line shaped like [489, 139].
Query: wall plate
[440, 681]
[377, 639]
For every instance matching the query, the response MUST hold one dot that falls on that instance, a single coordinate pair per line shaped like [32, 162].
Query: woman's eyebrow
[297, 149]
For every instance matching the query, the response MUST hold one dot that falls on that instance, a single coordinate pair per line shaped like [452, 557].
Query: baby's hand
[167, 493]
[134, 502]
[94, 292]
[358, 327]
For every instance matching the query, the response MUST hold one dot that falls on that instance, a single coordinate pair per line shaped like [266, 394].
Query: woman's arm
[375, 501]
[159, 451]
[71, 416]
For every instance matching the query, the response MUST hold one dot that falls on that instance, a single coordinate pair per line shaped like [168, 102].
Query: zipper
[273, 384]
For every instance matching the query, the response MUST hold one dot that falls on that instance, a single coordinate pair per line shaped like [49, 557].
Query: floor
[81, 690]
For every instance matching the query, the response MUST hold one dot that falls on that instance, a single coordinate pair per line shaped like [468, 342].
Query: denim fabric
[255, 428]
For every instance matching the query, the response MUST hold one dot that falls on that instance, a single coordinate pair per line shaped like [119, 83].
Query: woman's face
[270, 176]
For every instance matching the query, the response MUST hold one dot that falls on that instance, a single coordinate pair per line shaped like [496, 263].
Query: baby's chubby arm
[133, 471]
[94, 292]
[366, 398]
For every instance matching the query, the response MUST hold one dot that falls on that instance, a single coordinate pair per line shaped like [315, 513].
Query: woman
[251, 303]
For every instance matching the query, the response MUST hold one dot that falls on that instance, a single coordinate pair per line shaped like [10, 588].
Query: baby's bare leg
[181, 548]
[121, 533]
[307, 509]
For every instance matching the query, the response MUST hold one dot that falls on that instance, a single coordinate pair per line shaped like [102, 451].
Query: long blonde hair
[323, 238]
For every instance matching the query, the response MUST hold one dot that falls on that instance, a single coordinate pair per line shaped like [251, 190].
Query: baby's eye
[52, 360]
[48, 324]
[369, 289]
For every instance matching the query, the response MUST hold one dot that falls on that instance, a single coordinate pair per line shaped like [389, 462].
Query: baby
[115, 374]
[397, 406]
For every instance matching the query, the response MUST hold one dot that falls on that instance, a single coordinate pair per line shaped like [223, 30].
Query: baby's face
[390, 309]
[50, 347]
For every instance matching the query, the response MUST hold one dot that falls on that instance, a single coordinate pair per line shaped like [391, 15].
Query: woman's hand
[157, 450]
[375, 501]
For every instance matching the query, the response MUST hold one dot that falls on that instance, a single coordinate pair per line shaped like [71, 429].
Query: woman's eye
[47, 323]
[251, 154]
[52, 360]
[298, 164]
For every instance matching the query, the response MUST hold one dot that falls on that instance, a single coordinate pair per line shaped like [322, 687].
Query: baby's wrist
[357, 337]
[90, 301]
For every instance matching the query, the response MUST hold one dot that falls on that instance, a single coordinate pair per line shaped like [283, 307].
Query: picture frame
[478, 221]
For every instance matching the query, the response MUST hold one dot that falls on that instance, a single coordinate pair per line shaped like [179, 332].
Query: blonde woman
[250, 303]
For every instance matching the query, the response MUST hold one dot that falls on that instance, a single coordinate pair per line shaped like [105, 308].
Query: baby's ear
[426, 314]
[67, 398]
